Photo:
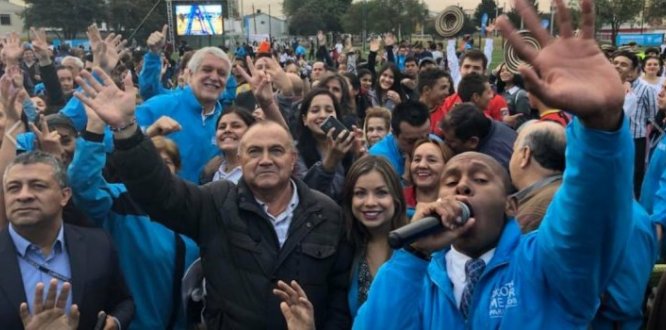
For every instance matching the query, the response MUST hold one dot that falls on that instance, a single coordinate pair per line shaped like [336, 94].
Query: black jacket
[241, 257]
[97, 282]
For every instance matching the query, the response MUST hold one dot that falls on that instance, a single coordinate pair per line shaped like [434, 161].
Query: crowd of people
[258, 191]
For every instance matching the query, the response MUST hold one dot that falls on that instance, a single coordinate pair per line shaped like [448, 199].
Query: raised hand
[40, 46]
[106, 52]
[49, 313]
[113, 105]
[12, 50]
[565, 68]
[295, 306]
[48, 141]
[490, 28]
[338, 148]
[157, 39]
[12, 93]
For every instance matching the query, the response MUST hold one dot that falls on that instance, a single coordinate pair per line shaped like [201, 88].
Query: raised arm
[151, 72]
[452, 60]
[12, 96]
[166, 198]
[260, 81]
[46, 68]
[587, 224]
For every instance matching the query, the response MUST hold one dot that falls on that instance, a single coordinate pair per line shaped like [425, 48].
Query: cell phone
[332, 122]
[30, 113]
[101, 320]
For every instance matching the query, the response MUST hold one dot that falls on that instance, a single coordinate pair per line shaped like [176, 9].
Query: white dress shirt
[455, 269]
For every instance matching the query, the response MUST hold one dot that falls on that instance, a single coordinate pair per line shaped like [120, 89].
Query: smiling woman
[425, 170]
[230, 129]
[372, 205]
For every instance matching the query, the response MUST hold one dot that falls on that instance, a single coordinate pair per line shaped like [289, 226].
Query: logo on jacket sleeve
[503, 297]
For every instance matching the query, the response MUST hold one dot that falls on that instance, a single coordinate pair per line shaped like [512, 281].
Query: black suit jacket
[97, 282]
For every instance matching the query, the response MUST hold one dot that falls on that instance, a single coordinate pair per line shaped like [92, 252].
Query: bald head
[547, 143]
[488, 161]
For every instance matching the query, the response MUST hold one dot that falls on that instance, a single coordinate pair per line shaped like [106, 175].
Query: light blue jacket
[653, 191]
[150, 81]
[146, 249]
[552, 278]
[622, 303]
[196, 140]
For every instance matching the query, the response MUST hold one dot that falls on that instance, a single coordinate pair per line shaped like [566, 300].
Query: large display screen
[199, 20]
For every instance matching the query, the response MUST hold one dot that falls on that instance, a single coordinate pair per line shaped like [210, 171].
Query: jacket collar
[508, 242]
[191, 102]
[78, 261]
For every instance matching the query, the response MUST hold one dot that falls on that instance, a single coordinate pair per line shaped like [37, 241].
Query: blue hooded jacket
[552, 278]
[146, 249]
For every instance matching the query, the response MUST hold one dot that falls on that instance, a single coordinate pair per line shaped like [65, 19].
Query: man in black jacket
[268, 228]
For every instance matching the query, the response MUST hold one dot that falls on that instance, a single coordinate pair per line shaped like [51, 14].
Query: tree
[617, 12]
[485, 7]
[125, 16]
[318, 14]
[656, 10]
[515, 18]
[386, 16]
[69, 16]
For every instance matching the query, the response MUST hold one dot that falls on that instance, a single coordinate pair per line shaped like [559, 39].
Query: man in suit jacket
[37, 247]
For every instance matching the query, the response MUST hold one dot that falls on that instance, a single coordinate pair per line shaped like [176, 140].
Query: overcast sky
[433, 5]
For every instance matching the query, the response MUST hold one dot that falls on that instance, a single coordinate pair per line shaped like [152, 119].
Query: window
[5, 19]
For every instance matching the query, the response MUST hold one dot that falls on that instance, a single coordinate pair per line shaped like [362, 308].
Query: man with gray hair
[38, 248]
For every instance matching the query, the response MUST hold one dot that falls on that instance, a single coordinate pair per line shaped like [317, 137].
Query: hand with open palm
[113, 105]
[569, 73]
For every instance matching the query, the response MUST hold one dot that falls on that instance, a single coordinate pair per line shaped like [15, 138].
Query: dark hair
[353, 79]
[345, 99]
[474, 55]
[40, 157]
[307, 144]
[363, 72]
[547, 148]
[414, 113]
[517, 80]
[628, 54]
[396, 87]
[471, 84]
[244, 114]
[411, 59]
[356, 232]
[659, 60]
[429, 77]
[466, 120]
[652, 50]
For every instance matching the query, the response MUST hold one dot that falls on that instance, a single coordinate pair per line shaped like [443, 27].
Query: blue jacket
[653, 191]
[622, 303]
[196, 141]
[146, 249]
[552, 278]
[150, 81]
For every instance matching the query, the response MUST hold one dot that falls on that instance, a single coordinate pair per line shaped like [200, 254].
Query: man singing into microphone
[486, 274]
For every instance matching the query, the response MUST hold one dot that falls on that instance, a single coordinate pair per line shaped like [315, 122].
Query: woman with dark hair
[372, 205]
[338, 86]
[324, 160]
[360, 97]
[231, 127]
[652, 67]
[387, 92]
[425, 170]
[510, 86]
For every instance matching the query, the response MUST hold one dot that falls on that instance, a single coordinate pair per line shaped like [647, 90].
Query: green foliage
[617, 12]
[125, 16]
[71, 16]
[385, 16]
[309, 16]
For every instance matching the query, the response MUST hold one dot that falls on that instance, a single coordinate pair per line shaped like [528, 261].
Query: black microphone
[424, 227]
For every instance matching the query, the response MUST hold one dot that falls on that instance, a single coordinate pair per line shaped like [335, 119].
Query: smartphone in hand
[332, 122]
